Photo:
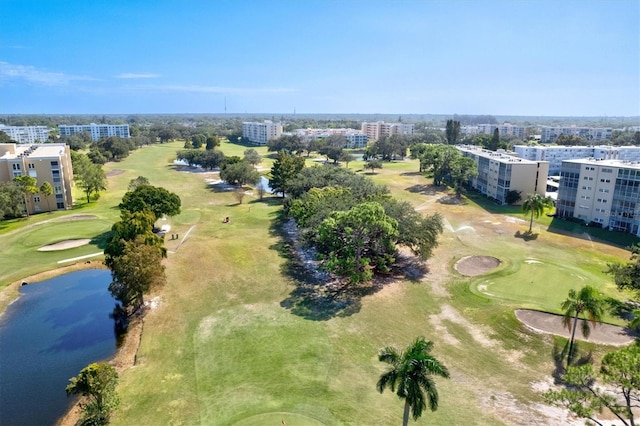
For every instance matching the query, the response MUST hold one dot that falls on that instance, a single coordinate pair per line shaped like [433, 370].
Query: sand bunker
[476, 265]
[605, 334]
[64, 245]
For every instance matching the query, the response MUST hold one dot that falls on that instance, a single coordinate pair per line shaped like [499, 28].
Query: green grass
[240, 337]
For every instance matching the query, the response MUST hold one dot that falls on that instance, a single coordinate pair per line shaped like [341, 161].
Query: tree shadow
[317, 295]
[562, 359]
[101, 240]
[526, 236]
[426, 189]
[622, 310]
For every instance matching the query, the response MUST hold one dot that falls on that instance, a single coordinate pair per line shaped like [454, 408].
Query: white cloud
[137, 75]
[33, 75]
[194, 88]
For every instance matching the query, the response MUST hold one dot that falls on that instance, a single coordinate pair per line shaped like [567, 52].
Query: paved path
[604, 334]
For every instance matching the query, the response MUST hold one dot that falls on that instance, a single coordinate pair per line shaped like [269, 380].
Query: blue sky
[468, 57]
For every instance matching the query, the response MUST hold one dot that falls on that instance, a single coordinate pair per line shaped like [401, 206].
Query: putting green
[279, 418]
[54, 232]
[536, 282]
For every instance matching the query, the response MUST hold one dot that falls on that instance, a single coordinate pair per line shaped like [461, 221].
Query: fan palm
[411, 374]
[585, 301]
[535, 205]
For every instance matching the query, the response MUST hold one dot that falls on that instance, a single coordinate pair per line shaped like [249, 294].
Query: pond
[54, 330]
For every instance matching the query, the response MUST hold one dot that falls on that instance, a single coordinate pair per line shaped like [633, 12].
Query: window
[36, 198]
[31, 166]
[15, 166]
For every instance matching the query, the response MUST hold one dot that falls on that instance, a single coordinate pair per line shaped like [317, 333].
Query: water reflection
[48, 335]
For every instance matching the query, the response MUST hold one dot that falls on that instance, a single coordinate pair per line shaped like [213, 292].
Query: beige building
[499, 173]
[47, 163]
[375, 131]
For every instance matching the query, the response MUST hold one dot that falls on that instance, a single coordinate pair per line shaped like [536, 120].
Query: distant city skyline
[514, 58]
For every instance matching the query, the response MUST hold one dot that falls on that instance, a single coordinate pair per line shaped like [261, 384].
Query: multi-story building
[606, 192]
[96, 131]
[355, 138]
[26, 134]
[504, 129]
[261, 133]
[598, 134]
[499, 173]
[375, 131]
[555, 155]
[49, 162]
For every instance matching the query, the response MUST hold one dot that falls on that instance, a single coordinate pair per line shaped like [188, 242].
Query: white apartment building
[49, 162]
[375, 131]
[96, 131]
[550, 134]
[355, 138]
[26, 134]
[555, 155]
[499, 173]
[606, 192]
[504, 129]
[261, 133]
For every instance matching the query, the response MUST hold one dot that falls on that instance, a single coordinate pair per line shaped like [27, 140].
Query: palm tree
[411, 373]
[587, 301]
[535, 205]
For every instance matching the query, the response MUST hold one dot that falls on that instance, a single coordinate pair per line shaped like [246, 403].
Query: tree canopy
[284, 170]
[156, 200]
[136, 272]
[98, 383]
[11, 200]
[240, 173]
[358, 242]
[583, 396]
[627, 276]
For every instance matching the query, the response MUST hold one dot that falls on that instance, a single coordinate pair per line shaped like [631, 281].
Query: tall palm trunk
[531, 222]
[405, 418]
[573, 334]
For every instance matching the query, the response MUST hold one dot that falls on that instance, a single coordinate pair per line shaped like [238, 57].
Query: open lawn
[241, 337]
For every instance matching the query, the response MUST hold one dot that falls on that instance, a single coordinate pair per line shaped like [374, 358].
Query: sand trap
[604, 334]
[64, 245]
[476, 265]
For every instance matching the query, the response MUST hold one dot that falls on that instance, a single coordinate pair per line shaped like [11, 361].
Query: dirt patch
[602, 334]
[471, 266]
[114, 172]
[67, 244]
[76, 217]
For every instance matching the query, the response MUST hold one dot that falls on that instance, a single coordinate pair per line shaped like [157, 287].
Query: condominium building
[26, 134]
[550, 134]
[49, 162]
[96, 131]
[355, 138]
[555, 155]
[606, 192]
[499, 173]
[375, 131]
[504, 129]
[261, 133]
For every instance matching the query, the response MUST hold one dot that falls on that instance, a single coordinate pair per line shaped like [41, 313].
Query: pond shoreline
[122, 359]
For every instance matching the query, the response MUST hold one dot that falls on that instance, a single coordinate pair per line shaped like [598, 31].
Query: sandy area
[605, 334]
[114, 172]
[64, 245]
[476, 265]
